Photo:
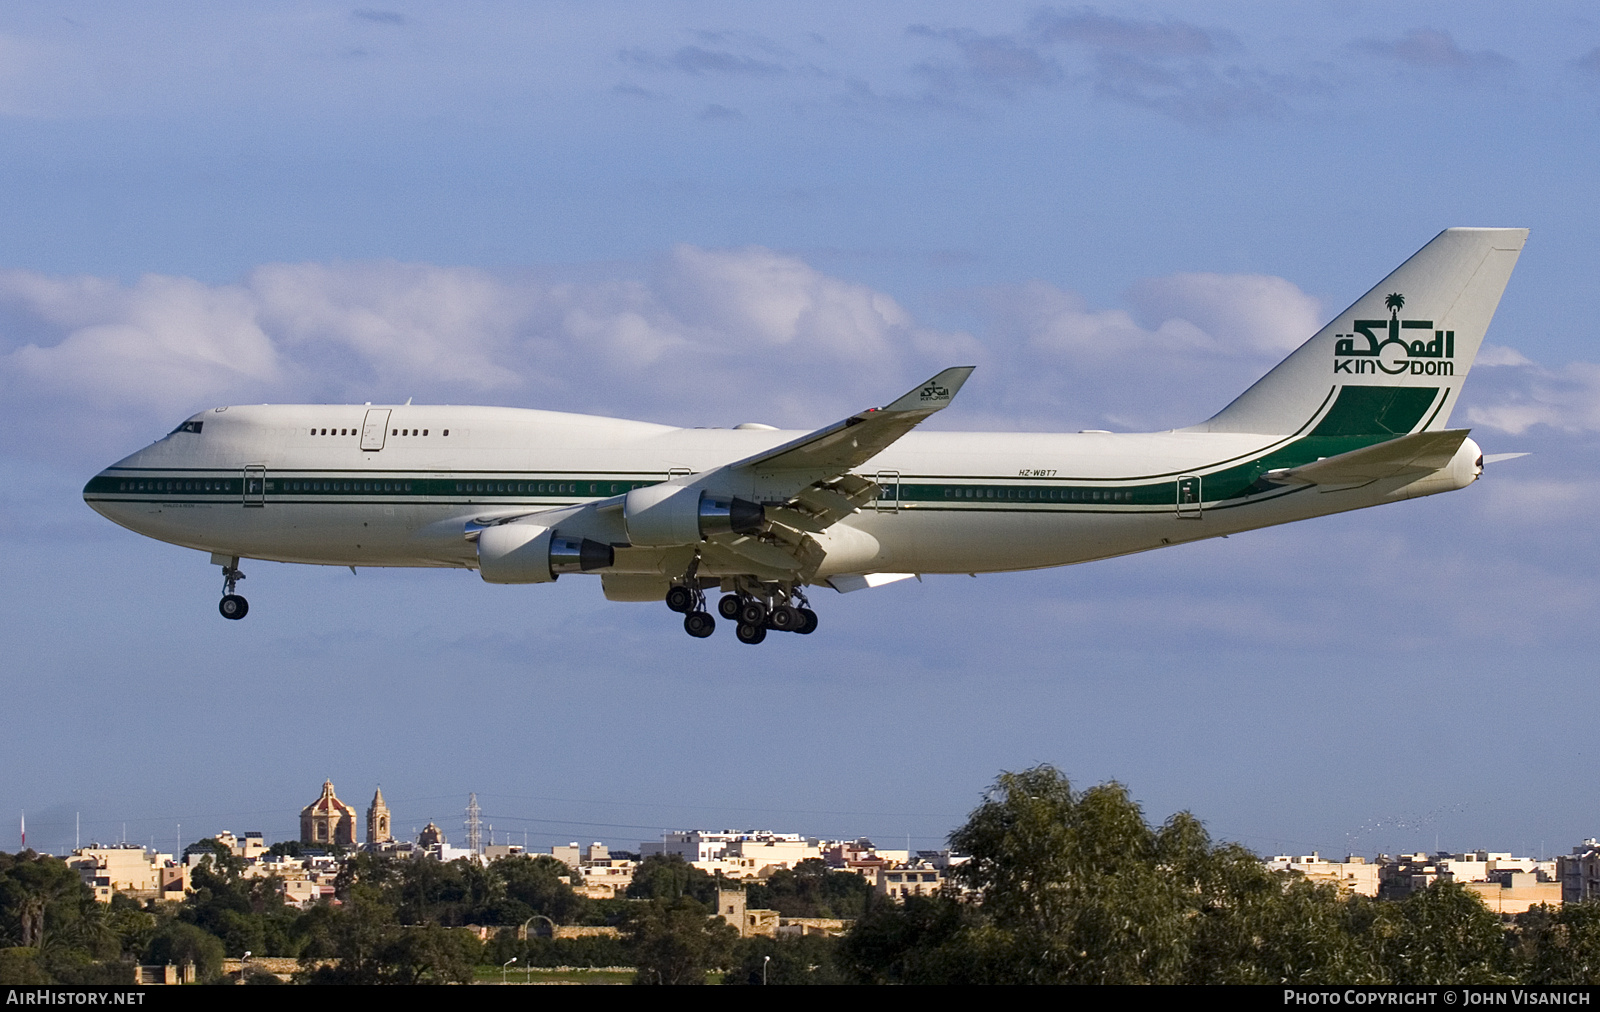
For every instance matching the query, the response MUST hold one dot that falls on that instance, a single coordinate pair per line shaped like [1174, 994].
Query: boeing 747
[1357, 416]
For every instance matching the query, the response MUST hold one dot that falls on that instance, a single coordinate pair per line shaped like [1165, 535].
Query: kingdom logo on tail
[1419, 356]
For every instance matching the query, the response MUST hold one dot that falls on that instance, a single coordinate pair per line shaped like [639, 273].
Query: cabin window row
[550, 487]
[347, 486]
[176, 486]
[1040, 494]
[357, 432]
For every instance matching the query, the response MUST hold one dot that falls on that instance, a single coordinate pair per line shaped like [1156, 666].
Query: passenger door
[375, 428]
[255, 485]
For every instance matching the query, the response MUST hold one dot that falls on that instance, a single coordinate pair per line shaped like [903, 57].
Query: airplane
[1355, 417]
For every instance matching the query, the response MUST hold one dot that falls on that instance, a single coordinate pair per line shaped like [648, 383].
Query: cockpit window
[189, 426]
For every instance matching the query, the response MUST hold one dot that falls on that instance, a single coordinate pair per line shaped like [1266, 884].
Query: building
[1352, 875]
[1506, 884]
[1509, 893]
[378, 829]
[132, 871]
[898, 883]
[249, 847]
[1579, 872]
[328, 820]
[747, 853]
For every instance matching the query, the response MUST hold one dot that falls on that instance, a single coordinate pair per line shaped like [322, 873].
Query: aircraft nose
[97, 489]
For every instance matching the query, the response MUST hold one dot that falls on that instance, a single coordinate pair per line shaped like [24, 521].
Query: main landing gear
[691, 602]
[232, 605]
[754, 611]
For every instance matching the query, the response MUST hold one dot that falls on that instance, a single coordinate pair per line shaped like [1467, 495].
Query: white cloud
[1496, 355]
[1190, 344]
[704, 336]
[1566, 399]
[404, 320]
[147, 345]
[1241, 313]
[707, 336]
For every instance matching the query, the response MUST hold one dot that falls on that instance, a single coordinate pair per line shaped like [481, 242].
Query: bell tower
[378, 820]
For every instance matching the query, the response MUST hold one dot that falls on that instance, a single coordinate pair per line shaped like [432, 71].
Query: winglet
[937, 393]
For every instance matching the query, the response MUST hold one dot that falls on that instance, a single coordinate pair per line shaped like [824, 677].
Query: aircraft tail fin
[1394, 362]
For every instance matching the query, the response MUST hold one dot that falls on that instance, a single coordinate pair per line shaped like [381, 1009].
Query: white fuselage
[265, 482]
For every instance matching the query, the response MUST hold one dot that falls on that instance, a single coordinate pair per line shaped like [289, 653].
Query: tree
[927, 940]
[676, 941]
[1077, 888]
[178, 943]
[429, 954]
[39, 894]
[1560, 946]
[217, 854]
[669, 876]
[20, 965]
[1441, 935]
[807, 959]
[1267, 928]
[811, 889]
[356, 938]
[535, 885]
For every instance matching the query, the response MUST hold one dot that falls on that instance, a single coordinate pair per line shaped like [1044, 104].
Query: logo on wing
[935, 392]
[1393, 347]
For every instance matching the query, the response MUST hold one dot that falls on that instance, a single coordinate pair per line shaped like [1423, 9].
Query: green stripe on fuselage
[1360, 416]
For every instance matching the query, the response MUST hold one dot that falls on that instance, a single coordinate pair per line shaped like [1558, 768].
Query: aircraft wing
[1417, 454]
[809, 484]
[848, 444]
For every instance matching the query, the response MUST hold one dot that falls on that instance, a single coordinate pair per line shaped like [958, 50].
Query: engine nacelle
[526, 553]
[665, 516]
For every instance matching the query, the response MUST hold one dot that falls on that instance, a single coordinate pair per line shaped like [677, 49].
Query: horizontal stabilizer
[1417, 454]
[1495, 458]
[852, 442]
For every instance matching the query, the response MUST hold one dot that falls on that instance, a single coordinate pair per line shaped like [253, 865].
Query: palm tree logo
[1394, 303]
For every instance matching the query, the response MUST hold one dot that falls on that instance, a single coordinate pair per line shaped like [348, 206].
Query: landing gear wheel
[699, 624]
[808, 622]
[680, 599]
[785, 618]
[751, 634]
[728, 607]
[753, 613]
[233, 606]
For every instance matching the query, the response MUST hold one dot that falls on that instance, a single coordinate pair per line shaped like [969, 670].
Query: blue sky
[707, 213]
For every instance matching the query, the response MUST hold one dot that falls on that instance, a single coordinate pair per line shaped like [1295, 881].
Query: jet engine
[663, 516]
[526, 553]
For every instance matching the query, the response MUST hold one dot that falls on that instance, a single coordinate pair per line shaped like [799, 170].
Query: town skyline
[537, 834]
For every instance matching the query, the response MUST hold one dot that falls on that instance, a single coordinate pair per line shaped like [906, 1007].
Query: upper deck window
[190, 426]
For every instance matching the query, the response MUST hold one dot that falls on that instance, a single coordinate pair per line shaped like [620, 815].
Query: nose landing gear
[232, 605]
